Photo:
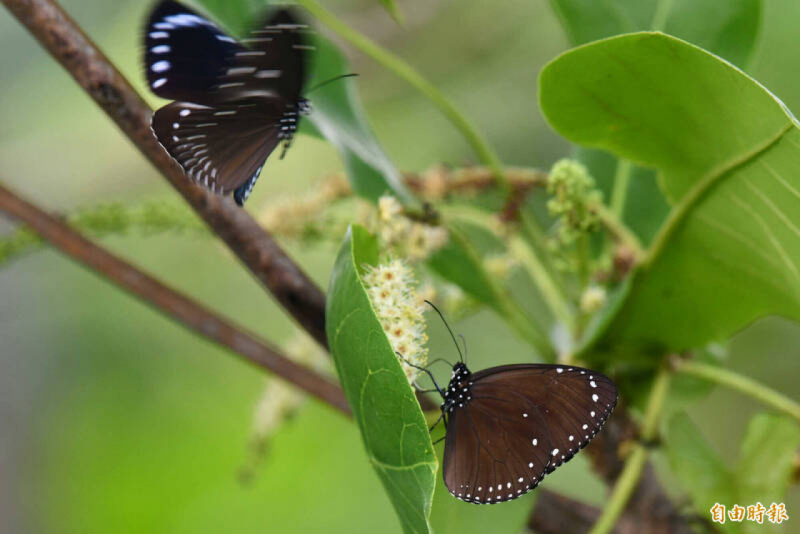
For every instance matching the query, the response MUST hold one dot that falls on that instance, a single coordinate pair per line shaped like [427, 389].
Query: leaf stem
[740, 383]
[619, 230]
[403, 70]
[632, 469]
[619, 193]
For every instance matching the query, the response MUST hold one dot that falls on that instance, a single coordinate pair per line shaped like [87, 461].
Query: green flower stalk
[574, 193]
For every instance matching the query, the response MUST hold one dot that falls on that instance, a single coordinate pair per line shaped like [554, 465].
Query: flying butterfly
[509, 426]
[235, 102]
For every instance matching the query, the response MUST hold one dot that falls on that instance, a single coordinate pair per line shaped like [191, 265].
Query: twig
[744, 385]
[176, 306]
[631, 472]
[558, 514]
[59, 35]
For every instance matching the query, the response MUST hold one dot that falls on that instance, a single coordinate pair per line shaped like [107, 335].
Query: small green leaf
[728, 153]
[394, 10]
[392, 426]
[728, 29]
[767, 457]
[762, 473]
[699, 468]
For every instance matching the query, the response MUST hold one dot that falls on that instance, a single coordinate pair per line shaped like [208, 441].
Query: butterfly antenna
[427, 372]
[326, 82]
[464, 341]
[458, 348]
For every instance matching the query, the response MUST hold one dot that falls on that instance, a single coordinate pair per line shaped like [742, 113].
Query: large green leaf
[729, 28]
[384, 406]
[729, 159]
[762, 473]
[337, 115]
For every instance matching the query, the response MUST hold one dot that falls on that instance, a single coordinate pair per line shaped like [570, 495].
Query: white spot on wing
[160, 66]
[159, 82]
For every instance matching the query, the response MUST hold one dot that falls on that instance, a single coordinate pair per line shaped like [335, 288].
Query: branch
[629, 479]
[557, 514]
[171, 303]
[59, 35]
[740, 383]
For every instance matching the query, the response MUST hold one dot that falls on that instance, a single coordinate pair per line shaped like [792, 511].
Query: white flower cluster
[392, 291]
[412, 239]
[592, 299]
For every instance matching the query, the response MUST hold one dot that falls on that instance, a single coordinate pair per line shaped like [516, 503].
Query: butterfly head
[458, 392]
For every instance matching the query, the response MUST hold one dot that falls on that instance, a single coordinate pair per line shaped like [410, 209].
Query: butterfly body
[509, 426]
[235, 102]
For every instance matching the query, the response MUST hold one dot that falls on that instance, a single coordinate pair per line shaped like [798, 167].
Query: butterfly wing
[236, 102]
[277, 59]
[222, 147]
[521, 415]
[186, 54]
[488, 454]
[189, 58]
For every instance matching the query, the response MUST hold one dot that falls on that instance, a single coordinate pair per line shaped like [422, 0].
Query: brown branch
[176, 306]
[558, 514]
[649, 503]
[57, 33]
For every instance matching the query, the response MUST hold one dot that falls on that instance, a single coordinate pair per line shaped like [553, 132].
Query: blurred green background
[114, 419]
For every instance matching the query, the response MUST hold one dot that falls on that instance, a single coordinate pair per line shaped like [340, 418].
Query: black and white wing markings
[186, 54]
[490, 458]
[223, 147]
[574, 402]
[235, 103]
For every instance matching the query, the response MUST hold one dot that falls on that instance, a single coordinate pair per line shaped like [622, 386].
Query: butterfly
[509, 426]
[235, 102]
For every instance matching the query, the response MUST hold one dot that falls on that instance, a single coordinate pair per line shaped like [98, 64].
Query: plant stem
[172, 304]
[742, 384]
[619, 230]
[632, 470]
[403, 70]
[622, 180]
[550, 291]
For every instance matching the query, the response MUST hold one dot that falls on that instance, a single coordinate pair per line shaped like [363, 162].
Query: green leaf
[394, 10]
[762, 473]
[392, 426]
[460, 262]
[339, 117]
[767, 458]
[701, 471]
[727, 152]
[337, 114]
[728, 29]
